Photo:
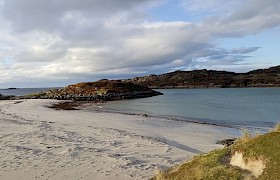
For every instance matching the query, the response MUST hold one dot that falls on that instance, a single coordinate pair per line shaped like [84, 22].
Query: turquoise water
[250, 107]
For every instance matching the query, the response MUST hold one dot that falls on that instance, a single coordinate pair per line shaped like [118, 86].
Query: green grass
[35, 95]
[208, 167]
[266, 147]
[215, 165]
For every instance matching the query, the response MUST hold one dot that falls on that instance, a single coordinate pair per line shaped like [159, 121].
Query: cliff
[211, 79]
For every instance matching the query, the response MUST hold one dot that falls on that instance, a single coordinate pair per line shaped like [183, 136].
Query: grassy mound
[210, 166]
[216, 164]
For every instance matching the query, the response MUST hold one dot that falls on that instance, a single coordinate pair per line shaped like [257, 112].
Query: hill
[211, 79]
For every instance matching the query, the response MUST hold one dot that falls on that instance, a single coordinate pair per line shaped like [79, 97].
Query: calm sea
[22, 91]
[249, 107]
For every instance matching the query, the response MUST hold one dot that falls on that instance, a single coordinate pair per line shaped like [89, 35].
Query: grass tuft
[276, 128]
[246, 136]
[160, 174]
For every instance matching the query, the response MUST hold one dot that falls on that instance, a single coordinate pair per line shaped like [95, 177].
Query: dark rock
[227, 142]
[64, 106]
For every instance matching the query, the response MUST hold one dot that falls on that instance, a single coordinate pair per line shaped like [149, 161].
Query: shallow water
[256, 107]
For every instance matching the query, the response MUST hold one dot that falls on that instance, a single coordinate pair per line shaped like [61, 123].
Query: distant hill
[211, 79]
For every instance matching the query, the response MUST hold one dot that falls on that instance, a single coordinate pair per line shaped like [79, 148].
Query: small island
[11, 88]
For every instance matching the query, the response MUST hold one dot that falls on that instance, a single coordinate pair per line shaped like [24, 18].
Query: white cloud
[48, 15]
[63, 39]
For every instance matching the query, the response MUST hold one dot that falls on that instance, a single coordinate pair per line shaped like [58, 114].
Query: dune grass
[266, 147]
[211, 166]
[215, 165]
[276, 128]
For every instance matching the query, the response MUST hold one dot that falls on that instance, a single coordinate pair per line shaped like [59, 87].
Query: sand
[255, 166]
[37, 142]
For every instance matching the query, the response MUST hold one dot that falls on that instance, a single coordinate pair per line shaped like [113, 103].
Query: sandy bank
[41, 143]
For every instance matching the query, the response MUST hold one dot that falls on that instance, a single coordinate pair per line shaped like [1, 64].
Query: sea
[23, 91]
[232, 107]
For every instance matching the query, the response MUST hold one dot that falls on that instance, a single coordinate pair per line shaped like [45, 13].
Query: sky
[55, 43]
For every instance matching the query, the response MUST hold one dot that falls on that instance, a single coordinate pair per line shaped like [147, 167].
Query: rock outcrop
[103, 90]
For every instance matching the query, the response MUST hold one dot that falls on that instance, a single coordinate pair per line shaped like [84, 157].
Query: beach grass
[276, 128]
[265, 147]
[216, 164]
[212, 166]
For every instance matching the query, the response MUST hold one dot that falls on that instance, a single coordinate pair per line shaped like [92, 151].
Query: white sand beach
[37, 142]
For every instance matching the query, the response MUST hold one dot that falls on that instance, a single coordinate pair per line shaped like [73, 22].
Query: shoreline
[94, 107]
[87, 107]
[42, 143]
[188, 120]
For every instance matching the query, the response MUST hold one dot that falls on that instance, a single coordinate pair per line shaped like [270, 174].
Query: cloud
[245, 50]
[71, 39]
[49, 15]
[251, 18]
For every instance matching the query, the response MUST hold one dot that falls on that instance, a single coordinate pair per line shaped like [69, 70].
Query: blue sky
[60, 42]
[175, 10]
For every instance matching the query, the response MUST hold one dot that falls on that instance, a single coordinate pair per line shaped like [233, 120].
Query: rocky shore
[103, 90]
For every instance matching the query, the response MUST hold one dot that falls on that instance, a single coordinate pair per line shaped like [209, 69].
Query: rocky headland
[211, 79]
[102, 90]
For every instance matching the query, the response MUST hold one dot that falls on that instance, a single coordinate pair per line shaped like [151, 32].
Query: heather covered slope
[210, 78]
